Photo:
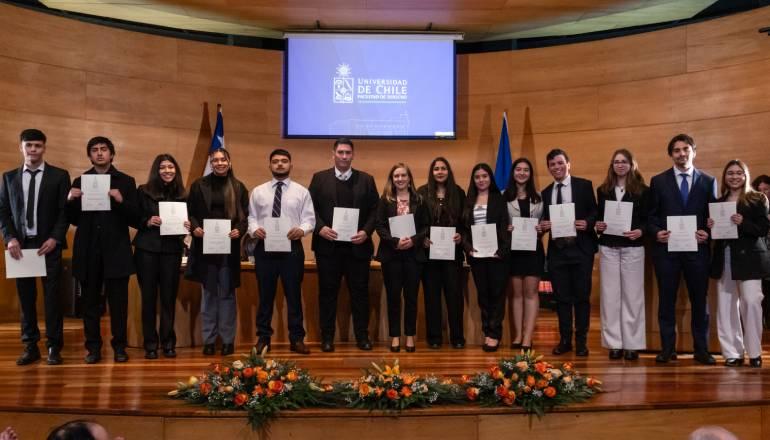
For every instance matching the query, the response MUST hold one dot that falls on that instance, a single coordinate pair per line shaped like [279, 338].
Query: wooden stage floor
[138, 388]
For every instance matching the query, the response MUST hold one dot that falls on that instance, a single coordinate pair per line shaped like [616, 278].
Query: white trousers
[622, 297]
[739, 301]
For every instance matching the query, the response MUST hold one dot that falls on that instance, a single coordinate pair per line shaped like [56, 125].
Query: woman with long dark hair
[401, 257]
[443, 200]
[485, 205]
[739, 265]
[526, 266]
[621, 260]
[218, 195]
[158, 257]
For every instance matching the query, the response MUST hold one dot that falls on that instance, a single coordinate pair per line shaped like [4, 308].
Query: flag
[217, 139]
[503, 165]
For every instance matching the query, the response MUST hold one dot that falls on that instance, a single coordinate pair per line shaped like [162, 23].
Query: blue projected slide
[370, 86]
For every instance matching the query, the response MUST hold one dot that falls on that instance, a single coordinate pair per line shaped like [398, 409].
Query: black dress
[527, 263]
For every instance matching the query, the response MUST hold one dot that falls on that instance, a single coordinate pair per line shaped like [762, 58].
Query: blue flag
[503, 164]
[217, 139]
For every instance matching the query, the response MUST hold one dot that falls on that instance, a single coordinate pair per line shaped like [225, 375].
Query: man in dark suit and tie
[102, 259]
[681, 190]
[342, 186]
[571, 259]
[32, 216]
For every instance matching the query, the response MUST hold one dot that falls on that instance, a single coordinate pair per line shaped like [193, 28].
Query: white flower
[238, 365]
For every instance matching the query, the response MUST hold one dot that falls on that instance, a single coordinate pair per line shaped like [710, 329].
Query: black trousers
[331, 269]
[491, 278]
[438, 277]
[93, 302]
[570, 272]
[158, 277]
[401, 275]
[290, 268]
[27, 291]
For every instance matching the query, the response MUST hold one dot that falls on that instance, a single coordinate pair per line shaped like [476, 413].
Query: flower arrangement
[261, 387]
[530, 382]
[385, 387]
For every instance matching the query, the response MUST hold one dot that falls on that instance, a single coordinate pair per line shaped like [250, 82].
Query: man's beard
[280, 175]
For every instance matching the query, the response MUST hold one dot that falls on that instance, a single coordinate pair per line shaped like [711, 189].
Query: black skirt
[528, 263]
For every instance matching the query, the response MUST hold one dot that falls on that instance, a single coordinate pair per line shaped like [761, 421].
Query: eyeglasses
[620, 162]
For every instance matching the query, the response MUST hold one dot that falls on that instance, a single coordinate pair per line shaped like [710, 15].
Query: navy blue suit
[666, 200]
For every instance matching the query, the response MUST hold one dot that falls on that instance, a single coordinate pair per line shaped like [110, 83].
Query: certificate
[484, 240]
[172, 217]
[682, 228]
[724, 228]
[216, 238]
[617, 215]
[29, 265]
[276, 231]
[402, 226]
[345, 223]
[563, 220]
[96, 188]
[524, 234]
[442, 245]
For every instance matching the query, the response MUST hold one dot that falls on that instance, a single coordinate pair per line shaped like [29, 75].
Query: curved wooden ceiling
[477, 19]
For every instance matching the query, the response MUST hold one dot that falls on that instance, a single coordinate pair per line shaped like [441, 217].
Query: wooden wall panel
[228, 66]
[37, 88]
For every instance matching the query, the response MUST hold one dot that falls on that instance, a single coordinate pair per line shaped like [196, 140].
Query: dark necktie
[558, 193]
[277, 199]
[684, 188]
[31, 198]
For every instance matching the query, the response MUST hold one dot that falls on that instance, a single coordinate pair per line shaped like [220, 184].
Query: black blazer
[111, 226]
[323, 191]
[51, 215]
[387, 248]
[149, 238]
[198, 209]
[749, 256]
[497, 213]
[638, 217]
[585, 209]
[457, 195]
[665, 200]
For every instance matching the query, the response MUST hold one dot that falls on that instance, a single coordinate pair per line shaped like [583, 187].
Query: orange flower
[248, 372]
[501, 391]
[496, 372]
[216, 368]
[514, 377]
[392, 394]
[472, 393]
[407, 378]
[541, 367]
[364, 390]
[226, 370]
[549, 392]
[258, 391]
[464, 379]
[527, 390]
[406, 391]
[542, 383]
[530, 381]
[240, 399]
[509, 398]
[205, 388]
[292, 376]
[262, 376]
[591, 382]
[378, 391]
[328, 388]
[275, 386]
[567, 366]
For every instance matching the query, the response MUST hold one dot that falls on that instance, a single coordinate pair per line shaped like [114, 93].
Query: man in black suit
[342, 186]
[32, 216]
[101, 255]
[571, 259]
[681, 190]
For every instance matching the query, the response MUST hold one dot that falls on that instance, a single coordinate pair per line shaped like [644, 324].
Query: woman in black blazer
[444, 202]
[485, 205]
[740, 264]
[218, 195]
[402, 257]
[158, 257]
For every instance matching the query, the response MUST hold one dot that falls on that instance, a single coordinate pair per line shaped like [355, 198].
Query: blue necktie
[684, 189]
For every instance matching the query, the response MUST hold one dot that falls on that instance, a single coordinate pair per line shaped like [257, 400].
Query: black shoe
[209, 349]
[327, 346]
[581, 351]
[704, 358]
[616, 353]
[526, 348]
[664, 356]
[434, 345]
[299, 347]
[228, 349]
[263, 346]
[490, 348]
[756, 362]
[516, 345]
[733, 362]
[122, 356]
[169, 353]
[364, 344]
[458, 345]
[151, 354]
[31, 354]
[93, 357]
[561, 349]
[631, 355]
[395, 348]
[410, 348]
[54, 356]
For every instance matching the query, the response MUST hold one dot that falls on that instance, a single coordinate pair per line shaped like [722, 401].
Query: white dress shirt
[690, 176]
[566, 190]
[343, 176]
[296, 205]
[25, 178]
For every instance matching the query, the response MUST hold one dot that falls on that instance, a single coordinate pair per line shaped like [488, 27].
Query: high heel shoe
[516, 345]
[410, 348]
[395, 348]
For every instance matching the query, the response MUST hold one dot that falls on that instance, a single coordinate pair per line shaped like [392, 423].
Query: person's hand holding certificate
[617, 216]
[29, 265]
[484, 240]
[345, 223]
[402, 226]
[563, 220]
[442, 246]
[95, 188]
[277, 234]
[682, 229]
[721, 214]
[216, 236]
[172, 215]
[524, 234]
